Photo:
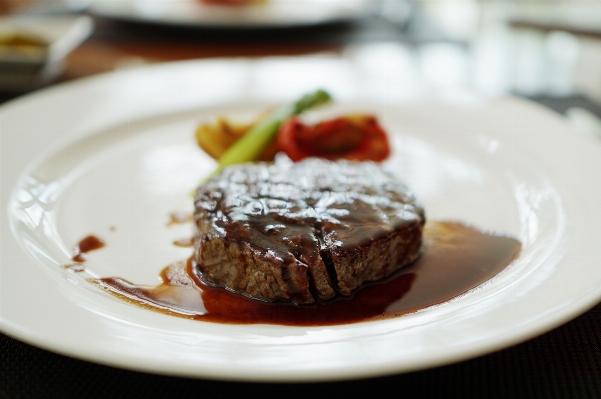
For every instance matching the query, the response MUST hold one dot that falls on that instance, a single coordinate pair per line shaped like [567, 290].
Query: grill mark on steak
[298, 232]
[327, 260]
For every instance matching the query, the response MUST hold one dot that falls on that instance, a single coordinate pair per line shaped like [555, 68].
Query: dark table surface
[565, 362]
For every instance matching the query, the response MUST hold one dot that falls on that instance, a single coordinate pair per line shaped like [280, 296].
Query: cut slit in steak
[302, 231]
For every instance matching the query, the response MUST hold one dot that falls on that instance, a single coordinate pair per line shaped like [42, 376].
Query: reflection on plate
[269, 14]
[114, 155]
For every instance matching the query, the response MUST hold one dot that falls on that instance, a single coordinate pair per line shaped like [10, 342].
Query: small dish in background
[223, 14]
[32, 48]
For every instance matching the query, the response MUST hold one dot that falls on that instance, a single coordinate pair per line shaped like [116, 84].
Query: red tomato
[356, 137]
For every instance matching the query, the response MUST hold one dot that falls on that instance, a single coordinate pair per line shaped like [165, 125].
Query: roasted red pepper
[357, 137]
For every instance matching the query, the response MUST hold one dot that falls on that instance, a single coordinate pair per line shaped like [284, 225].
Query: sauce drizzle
[456, 258]
[184, 242]
[87, 244]
[179, 218]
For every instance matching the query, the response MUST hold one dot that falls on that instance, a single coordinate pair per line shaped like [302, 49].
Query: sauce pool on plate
[87, 244]
[455, 259]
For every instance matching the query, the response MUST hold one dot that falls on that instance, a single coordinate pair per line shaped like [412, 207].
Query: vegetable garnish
[251, 145]
[353, 137]
[215, 138]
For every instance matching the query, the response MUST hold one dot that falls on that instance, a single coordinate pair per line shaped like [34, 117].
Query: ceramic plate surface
[270, 14]
[114, 155]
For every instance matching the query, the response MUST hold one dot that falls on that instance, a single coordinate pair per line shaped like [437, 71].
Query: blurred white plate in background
[271, 14]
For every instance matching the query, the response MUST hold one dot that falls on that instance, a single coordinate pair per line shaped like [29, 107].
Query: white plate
[116, 151]
[271, 14]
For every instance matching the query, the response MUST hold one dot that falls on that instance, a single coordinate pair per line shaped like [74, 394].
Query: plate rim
[566, 314]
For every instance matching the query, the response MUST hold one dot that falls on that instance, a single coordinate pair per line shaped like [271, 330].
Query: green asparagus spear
[250, 146]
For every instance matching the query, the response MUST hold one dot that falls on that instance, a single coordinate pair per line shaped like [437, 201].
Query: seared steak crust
[302, 231]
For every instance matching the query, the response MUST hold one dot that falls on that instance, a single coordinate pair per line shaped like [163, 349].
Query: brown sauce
[184, 242]
[456, 258]
[87, 244]
[180, 218]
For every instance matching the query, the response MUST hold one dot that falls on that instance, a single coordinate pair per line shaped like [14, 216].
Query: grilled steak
[302, 231]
